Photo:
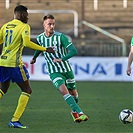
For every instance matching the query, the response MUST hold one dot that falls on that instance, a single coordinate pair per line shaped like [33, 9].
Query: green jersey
[132, 41]
[60, 42]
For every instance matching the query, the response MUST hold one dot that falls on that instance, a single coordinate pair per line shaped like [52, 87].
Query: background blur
[98, 28]
[113, 16]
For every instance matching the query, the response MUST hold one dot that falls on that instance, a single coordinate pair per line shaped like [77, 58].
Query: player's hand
[50, 50]
[57, 60]
[33, 61]
[128, 71]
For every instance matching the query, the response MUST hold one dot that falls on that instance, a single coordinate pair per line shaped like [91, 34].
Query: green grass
[47, 112]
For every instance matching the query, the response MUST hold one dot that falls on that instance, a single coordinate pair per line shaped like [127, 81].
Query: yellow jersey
[12, 34]
[15, 35]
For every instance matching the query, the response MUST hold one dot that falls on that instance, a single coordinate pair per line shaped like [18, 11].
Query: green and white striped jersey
[60, 42]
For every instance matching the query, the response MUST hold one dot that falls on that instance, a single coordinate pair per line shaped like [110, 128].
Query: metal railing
[122, 41]
[61, 12]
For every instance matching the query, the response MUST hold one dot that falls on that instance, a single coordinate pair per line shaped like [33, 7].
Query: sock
[22, 102]
[71, 102]
[76, 98]
[1, 93]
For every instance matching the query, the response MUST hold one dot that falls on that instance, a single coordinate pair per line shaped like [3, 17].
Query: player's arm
[30, 44]
[69, 46]
[71, 52]
[130, 59]
[36, 54]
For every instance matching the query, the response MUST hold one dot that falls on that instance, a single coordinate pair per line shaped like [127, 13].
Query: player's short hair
[20, 8]
[48, 16]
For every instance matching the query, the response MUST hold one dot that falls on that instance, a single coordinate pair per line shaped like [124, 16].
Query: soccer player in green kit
[130, 59]
[14, 35]
[58, 66]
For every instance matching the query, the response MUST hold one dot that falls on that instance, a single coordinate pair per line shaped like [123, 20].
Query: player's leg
[71, 102]
[4, 87]
[71, 85]
[74, 94]
[23, 82]
[68, 98]
[4, 80]
[1, 93]
[22, 103]
[23, 100]
[59, 82]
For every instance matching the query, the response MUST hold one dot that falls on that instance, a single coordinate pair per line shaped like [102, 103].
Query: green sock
[76, 99]
[71, 102]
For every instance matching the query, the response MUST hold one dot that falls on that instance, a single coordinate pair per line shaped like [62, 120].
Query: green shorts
[63, 78]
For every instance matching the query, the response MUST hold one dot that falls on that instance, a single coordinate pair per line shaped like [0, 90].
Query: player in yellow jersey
[14, 35]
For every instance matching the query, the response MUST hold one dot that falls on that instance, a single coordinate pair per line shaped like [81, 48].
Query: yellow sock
[22, 102]
[1, 93]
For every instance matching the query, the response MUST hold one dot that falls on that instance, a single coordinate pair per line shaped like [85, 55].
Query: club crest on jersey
[26, 32]
[54, 42]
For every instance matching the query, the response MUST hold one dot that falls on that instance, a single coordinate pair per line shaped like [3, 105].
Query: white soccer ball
[126, 116]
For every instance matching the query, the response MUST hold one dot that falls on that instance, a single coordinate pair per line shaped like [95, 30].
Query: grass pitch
[47, 112]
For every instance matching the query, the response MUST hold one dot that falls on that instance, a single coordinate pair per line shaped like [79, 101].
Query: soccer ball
[126, 116]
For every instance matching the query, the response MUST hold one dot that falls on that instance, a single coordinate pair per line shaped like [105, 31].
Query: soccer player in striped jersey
[58, 66]
[14, 35]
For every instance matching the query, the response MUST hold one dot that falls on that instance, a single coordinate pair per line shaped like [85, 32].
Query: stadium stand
[110, 16]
